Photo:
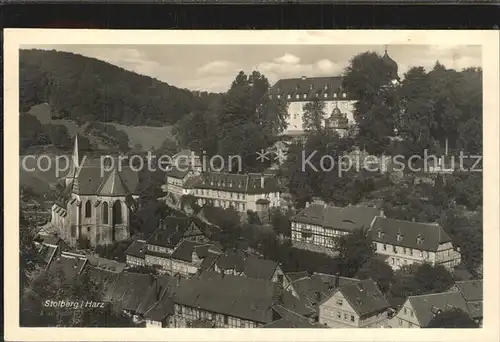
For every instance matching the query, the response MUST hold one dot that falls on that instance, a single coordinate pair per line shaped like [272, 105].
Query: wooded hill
[86, 89]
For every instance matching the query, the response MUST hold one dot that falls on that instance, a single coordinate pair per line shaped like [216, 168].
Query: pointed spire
[113, 186]
[77, 157]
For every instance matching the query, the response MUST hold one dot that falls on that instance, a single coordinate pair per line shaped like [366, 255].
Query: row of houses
[399, 242]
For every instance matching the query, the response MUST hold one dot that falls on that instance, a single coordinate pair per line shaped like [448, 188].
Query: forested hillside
[86, 89]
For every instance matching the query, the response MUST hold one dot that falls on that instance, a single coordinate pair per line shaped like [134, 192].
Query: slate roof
[105, 281]
[471, 290]
[364, 297]
[137, 249]
[432, 234]
[113, 186]
[246, 298]
[313, 87]
[346, 218]
[308, 287]
[242, 183]
[424, 305]
[232, 260]
[185, 250]
[91, 177]
[289, 319]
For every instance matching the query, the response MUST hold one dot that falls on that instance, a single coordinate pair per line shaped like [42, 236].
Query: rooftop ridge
[435, 294]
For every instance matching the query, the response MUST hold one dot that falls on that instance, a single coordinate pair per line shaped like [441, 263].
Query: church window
[88, 209]
[117, 212]
[105, 213]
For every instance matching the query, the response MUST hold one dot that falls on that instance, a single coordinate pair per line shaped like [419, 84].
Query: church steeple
[76, 158]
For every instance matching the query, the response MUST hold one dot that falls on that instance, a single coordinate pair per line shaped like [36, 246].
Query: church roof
[113, 186]
[391, 64]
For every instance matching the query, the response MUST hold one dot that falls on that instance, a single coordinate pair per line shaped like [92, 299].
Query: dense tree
[453, 318]
[355, 249]
[281, 222]
[379, 271]
[433, 279]
[78, 86]
[366, 79]
[314, 116]
[58, 135]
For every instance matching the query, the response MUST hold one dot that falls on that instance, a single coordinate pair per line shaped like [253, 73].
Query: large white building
[339, 103]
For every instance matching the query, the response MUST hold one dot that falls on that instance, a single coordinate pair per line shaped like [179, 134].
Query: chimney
[308, 204]
[178, 277]
[262, 181]
[446, 147]
[222, 273]
[337, 280]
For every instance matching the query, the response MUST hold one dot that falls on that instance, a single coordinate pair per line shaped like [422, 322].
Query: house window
[411, 251]
[394, 250]
[344, 95]
[226, 320]
[339, 315]
[405, 311]
[411, 313]
[325, 95]
[339, 302]
[352, 318]
[297, 96]
[88, 209]
[410, 325]
[335, 95]
[105, 213]
[346, 316]
[404, 250]
[385, 247]
[401, 322]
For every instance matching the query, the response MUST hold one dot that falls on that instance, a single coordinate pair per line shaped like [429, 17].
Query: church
[95, 205]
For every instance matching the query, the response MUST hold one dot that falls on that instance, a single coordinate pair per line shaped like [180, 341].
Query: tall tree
[355, 249]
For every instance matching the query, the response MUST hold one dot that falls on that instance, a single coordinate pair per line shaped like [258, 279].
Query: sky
[213, 67]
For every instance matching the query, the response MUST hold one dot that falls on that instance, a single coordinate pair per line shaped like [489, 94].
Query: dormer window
[344, 95]
[289, 96]
[278, 96]
[419, 240]
[325, 95]
[304, 96]
[379, 234]
[326, 86]
[297, 96]
[335, 95]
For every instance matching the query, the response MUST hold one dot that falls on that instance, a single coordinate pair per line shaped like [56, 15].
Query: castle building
[339, 102]
[96, 202]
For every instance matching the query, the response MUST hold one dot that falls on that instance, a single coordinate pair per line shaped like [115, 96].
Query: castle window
[105, 213]
[88, 209]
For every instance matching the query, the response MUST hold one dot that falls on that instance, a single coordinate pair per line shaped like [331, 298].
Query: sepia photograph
[316, 184]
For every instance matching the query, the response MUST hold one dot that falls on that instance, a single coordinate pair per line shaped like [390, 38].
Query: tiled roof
[313, 87]
[318, 286]
[346, 218]
[431, 234]
[161, 309]
[208, 261]
[246, 298]
[185, 250]
[259, 268]
[426, 305]
[171, 231]
[289, 319]
[472, 290]
[232, 260]
[247, 183]
[137, 249]
[364, 297]
[113, 186]
[70, 264]
[130, 288]
[105, 281]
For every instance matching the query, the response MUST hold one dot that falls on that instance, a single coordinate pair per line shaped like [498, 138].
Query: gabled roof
[432, 234]
[317, 287]
[113, 186]
[425, 306]
[130, 288]
[184, 251]
[472, 290]
[171, 230]
[346, 218]
[242, 297]
[259, 268]
[289, 319]
[364, 297]
[71, 264]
